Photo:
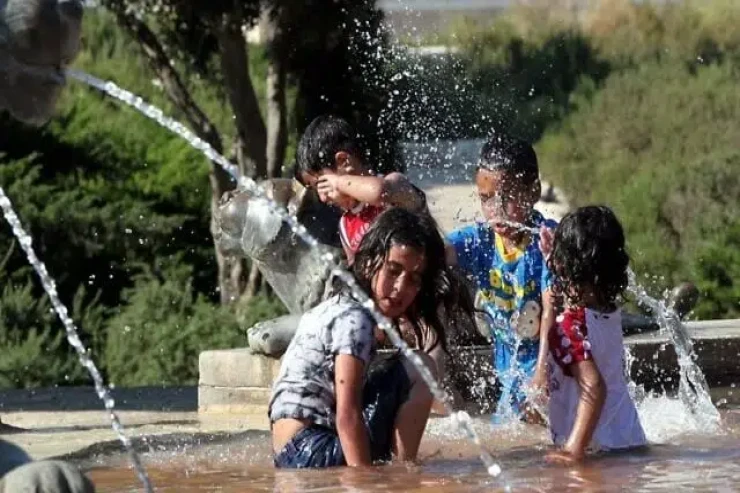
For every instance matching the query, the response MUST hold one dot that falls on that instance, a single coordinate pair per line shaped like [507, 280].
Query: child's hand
[328, 189]
[538, 386]
[564, 458]
[537, 396]
[547, 236]
[379, 335]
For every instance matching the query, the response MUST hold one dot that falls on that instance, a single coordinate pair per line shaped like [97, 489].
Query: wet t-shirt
[305, 386]
[581, 334]
[354, 224]
[509, 284]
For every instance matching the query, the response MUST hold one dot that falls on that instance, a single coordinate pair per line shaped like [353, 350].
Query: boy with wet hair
[503, 257]
[330, 160]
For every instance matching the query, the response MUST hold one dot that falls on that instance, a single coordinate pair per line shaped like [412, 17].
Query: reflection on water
[448, 464]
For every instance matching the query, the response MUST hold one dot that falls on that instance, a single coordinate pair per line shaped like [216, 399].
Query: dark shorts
[387, 387]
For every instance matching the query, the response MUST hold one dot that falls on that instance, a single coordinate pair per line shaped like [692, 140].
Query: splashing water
[460, 419]
[506, 414]
[520, 227]
[693, 390]
[72, 333]
[662, 417]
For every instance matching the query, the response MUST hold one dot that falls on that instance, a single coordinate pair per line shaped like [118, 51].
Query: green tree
[658, 143]
[207, 38]
[163, 325]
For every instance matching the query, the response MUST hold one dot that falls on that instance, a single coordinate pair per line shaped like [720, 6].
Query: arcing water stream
[72, 334]
[460, 418]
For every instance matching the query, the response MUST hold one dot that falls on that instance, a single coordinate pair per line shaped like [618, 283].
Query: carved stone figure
[294, 269]
[38, 40]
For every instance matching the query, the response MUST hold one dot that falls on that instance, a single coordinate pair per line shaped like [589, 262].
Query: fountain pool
[242, 462]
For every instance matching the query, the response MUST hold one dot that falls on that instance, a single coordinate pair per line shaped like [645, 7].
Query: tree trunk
[255, 283]
[251, 131]
[277, 123]
[171, 80]
[249, 124]
[230, 270]
[277, 128]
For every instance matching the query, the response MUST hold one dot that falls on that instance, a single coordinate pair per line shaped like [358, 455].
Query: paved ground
[58, 421]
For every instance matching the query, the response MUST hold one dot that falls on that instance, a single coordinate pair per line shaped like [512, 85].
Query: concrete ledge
[236, 368]
[716, 346]
[236, 383]
[249, 404]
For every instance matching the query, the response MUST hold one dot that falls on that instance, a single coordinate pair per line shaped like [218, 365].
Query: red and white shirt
[582, 334]
[354, 224]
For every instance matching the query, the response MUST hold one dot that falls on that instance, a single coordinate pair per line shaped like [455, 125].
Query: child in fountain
[328, 408]
[590, 403]
[330, 159]
[509, 270]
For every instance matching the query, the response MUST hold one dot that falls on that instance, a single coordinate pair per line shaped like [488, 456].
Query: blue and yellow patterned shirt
[510, 284]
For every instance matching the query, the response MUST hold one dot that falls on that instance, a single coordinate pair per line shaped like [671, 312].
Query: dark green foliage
[716, 267]
[34, 351]
[107, 196]
[499, 80]
[162, 327]
[530, 80]
[659, 144]
[350, 78]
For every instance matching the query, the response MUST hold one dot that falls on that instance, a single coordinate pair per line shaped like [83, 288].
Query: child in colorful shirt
[329, 158]
[504, 259]
[590, 405]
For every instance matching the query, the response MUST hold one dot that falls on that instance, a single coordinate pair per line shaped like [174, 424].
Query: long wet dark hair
[589, 255]
[440, 287]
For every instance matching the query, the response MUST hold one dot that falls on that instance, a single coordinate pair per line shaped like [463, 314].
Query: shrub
[35, 352]
[659, 144]
[158, 332]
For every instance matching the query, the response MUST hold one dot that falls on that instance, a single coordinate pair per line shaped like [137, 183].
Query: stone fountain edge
[237, 382]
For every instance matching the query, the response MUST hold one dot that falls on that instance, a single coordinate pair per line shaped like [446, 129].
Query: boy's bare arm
[348, 381]
[400, 192]
[450, 255]
[393, 189]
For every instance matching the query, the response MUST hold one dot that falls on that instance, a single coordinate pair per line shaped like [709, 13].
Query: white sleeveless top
[581, 334]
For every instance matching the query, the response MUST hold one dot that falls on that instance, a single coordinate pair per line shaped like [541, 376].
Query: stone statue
[38, 40]
[295, 270]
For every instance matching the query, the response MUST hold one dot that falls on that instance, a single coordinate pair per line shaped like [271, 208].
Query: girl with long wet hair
[328, 407]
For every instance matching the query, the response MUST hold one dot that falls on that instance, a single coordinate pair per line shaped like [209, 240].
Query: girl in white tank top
[590, 406]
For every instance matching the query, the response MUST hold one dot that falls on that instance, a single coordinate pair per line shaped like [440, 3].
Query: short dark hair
[510, 155]
[589, 253]
[323, 138]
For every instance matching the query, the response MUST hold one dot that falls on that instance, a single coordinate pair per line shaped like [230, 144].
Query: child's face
[505, 198]
[398, 280]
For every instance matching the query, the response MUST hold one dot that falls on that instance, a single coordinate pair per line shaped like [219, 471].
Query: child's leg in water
[413, 415]
[397, 404]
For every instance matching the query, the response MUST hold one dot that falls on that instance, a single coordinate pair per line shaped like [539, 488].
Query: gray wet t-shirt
[305, 386]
